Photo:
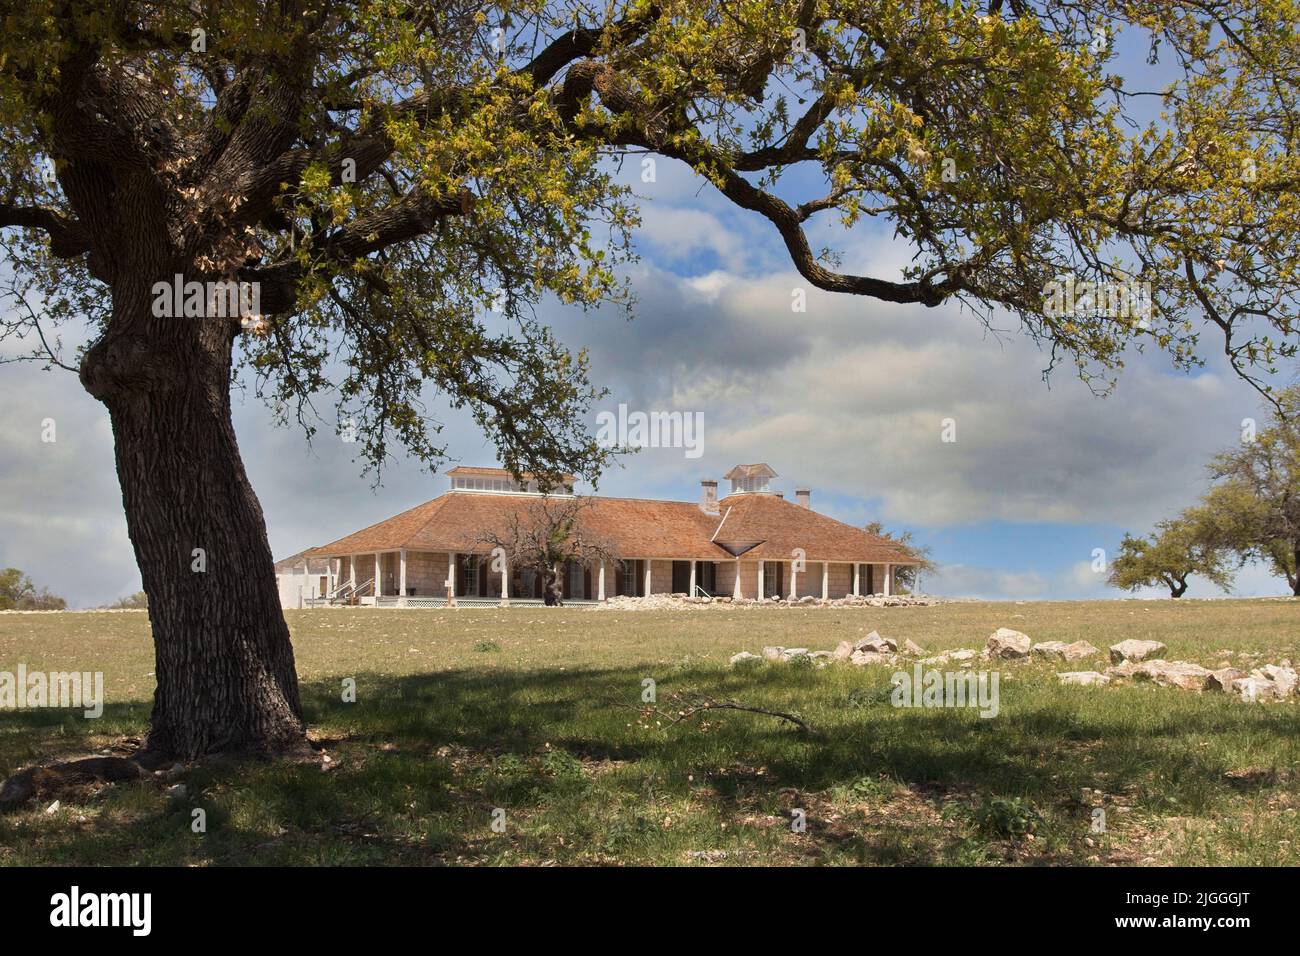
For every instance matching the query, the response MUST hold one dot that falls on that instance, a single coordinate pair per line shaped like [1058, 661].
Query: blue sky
[847, 398]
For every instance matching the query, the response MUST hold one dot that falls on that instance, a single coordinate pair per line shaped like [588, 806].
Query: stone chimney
[803, 496]
[709, 496]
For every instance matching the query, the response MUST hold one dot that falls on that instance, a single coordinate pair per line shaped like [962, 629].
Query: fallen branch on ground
[697, 704]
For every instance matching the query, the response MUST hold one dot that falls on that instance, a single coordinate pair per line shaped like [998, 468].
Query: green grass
[538, 713]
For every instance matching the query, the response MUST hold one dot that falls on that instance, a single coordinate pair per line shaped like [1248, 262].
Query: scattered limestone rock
[1060, 651]
[773, 653]
[1176, 674]
[745, 659]
[843, 651]
[963, 656]
[1084, 678]
[863, 658]
[1254, 688]
[1007, 644]
[1221, 679]
[912, 649]
[1284, 678]
[790, 653]
[1079, 650]
[875, 644]
[1134, 650]
[1163, 673]
[1125, 671]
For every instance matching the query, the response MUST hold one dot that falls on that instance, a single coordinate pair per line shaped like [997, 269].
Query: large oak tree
[385, 171]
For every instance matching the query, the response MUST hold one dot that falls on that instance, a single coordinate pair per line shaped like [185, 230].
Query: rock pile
[1132, 661]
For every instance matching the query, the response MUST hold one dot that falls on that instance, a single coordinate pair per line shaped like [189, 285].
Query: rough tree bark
[224, 663]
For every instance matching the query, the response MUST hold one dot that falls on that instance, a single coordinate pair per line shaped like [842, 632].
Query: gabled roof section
[293, 563]
[759, 470]
[782, 526]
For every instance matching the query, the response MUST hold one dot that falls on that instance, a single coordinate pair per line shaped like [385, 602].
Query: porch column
[352, 571]
[505, 582]
[761, 593]
[451, 572]
[648, 565]
[888, 569]
[857, 579]
[736, 594]
[826, 580]
[600, 581]
[379, 587]
[793, 575]
[692, 591]
[401, 578]
[306, 579]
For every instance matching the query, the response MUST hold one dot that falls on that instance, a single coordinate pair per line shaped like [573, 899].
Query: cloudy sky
[848, 398]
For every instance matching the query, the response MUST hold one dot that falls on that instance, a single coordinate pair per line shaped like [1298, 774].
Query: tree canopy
[1180, 547]
[1256, 498]
[388, 172]
[18, 593]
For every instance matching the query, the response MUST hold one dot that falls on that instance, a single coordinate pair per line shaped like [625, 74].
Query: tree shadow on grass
[398, 796]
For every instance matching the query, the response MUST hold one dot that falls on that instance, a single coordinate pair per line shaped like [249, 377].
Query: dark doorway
[681, 577]
[706, 577]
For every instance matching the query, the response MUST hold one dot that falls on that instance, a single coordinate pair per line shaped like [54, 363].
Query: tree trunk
[1294, 579]
[1178, 590]
[552, 595]
[223, 660]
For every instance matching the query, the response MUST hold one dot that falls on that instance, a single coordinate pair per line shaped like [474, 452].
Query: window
[469, 576]
[629, 578]
[772, 579]
[573, 581]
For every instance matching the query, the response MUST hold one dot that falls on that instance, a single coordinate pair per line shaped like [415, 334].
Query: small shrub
[1006, 817]
[487, 647]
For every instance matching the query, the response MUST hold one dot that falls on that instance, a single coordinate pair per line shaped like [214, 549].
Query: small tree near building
[545, 536]
[906, 576]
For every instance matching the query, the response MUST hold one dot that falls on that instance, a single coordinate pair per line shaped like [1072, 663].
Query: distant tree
[906, 576]
[17, 593]
[1256, 503]
[546, 534]
[1183, 546]
[139, 601]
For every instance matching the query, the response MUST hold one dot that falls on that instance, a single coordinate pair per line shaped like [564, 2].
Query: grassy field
[537, 716]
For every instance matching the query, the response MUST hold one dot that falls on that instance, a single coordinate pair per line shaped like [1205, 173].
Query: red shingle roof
[755, 526]
[758, 470]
